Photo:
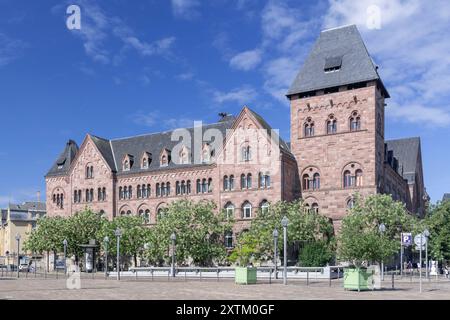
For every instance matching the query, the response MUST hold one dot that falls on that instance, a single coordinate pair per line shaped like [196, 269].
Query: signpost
[405, 241]
[420, 240]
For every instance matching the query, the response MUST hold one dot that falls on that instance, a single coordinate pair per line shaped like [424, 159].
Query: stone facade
[337, 151]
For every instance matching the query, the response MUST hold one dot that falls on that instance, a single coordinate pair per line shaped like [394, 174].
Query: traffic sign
[420, 239]
[418, 248]
[406, 239]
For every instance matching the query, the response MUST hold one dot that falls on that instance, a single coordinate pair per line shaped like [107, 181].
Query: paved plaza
[179, 289]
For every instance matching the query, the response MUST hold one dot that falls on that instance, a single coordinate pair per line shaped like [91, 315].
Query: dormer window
[246, 153]
[332, 64]
[184, 155]
[146, 160]
[127, 163]
[206, 153]
[164, 158]
[89, 172]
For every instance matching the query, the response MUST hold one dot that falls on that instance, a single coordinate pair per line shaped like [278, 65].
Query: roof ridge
[168, 131]
[339, 27]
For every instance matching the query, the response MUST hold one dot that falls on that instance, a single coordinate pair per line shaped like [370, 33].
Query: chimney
[38, 196]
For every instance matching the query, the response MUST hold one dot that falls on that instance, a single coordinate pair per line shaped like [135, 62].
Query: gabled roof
[341, 48]
[104, 146]
[266, 126]
[407, 152]
[62, 164]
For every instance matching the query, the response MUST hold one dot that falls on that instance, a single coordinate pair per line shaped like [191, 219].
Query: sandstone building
[337, 149]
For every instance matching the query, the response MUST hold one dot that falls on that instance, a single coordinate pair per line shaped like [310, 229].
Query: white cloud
[242, 95]
[5, 201]
[246, 60]
[148, 119]
[154, 118]
[99, 31]
[425, 116]
[185, 76]
[187, 9]
[10, 49]
[411, 50]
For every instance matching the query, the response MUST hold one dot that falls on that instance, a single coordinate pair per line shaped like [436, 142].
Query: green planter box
[357, 279]
[245, 275]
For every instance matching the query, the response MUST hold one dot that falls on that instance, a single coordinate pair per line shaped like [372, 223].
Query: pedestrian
[446, 271]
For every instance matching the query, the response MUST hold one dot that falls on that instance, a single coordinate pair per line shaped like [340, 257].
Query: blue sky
[152, 65]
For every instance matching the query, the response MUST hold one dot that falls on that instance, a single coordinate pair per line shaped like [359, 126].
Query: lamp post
[106, 242]
[382, 229]
[65, 255]
[118, 234]
[284, 223]
[173, 237]
[275, 251]
[426, 233]
[18, 255]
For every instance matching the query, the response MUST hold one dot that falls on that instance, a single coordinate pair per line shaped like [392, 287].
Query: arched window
[120, 193]
[262, 180]
[158, 190]
[139, 191]
[91, 195]
[126, 165]
[210, 185]
[129, 213]
[226, 183]
[249, 181]
[243, 181]
[204, 186]
[87, 196]
[54, 198]
[147, 216]
[355, 121]
[199, 186]
[183, 187]
[265, 207]
[168, 188]
[229, 240]
[149, 191]
[308, 128]
[348, 179]
[130, 192]
[188, 187]
[306, 182]
[161, 213]
[122, 213]
[246, 153]
[75, 196]
[350, 203]
[315, 207]
[247, 210]
[359, 177]
[177, 188]
[79, 196]
[316, 181]
[231, 182]
[144, 163]
[104, 194]
[99, 194]
[229, 208]
[331, 125]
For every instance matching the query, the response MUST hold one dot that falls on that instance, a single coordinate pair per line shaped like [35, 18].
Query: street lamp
[426, 233]
[173, 237]
[118, 234]
[275, 252]
[382, 229]
[284, 223]
[18, 255]
[106, 242]
[65, 254]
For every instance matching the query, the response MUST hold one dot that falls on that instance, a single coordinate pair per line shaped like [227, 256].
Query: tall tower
[337, 123]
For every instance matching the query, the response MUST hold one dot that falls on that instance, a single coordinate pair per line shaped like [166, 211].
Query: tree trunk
[54, 260]
[48, 261]
[135, 260]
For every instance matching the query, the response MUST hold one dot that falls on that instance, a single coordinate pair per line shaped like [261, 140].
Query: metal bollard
[329, 278]
[307, 277]
[392, 281]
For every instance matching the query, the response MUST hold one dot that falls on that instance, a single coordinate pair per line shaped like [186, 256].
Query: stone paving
[160, 289]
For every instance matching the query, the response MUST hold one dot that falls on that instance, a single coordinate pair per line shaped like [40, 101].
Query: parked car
[59, 264]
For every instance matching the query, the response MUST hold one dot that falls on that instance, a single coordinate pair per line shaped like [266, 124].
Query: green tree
[315, 254]
[80, 228]
[47, 237]
[304, 226]
[134, 235]
[199, 230]
[360, 240]
[438, 223]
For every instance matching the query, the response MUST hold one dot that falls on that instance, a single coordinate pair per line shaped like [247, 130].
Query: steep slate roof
[62, 164]
[104, 146]
[28, 206]
[154, 144]
[338, 46]
[407, 152]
